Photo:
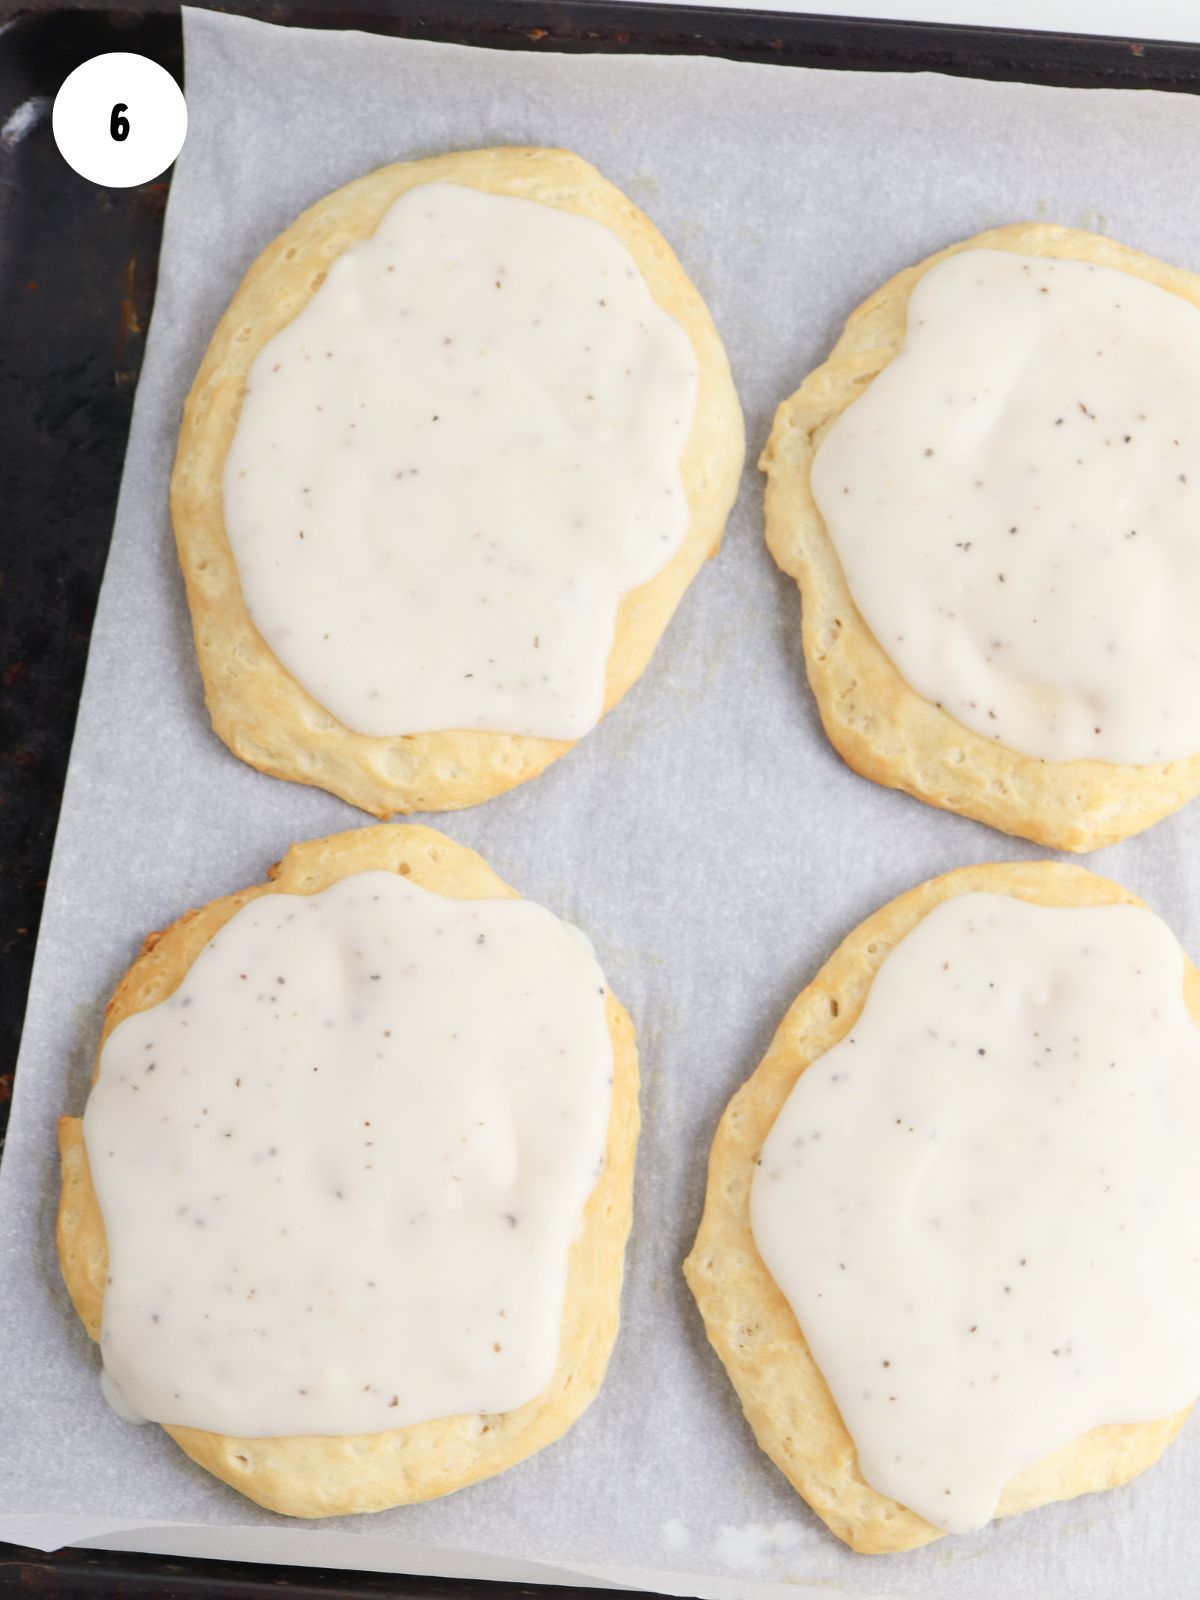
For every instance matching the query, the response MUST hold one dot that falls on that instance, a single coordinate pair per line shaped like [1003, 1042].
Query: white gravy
[341, 1167]
[454, 461]
[983, 1204]
[1015, 501]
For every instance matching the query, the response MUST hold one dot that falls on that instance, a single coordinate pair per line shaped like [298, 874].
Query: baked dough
[750, 1324]
[322, 1476]
[878, 724]
[259, 710]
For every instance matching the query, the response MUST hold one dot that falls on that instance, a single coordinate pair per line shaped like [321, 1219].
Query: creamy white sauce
[1015, 501]
[983, 1205]
[341, 1167]
[452, 464]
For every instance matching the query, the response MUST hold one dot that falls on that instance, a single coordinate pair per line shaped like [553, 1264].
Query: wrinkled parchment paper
[706, 837]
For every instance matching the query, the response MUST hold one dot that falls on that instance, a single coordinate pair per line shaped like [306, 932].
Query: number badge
[119, 120]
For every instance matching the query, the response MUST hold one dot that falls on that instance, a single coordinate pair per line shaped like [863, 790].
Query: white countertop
[1139, 19]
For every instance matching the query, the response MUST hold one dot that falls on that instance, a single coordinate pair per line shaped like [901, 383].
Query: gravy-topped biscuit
[988, 497]
[947, 1252]
[348, 1205]
[459, 444]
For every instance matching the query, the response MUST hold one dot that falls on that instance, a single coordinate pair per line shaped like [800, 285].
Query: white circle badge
[119, 120]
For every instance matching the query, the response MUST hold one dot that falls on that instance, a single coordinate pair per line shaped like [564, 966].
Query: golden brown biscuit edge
[880, 726]
[321, 1476]
[257, 708]
[750, 1324]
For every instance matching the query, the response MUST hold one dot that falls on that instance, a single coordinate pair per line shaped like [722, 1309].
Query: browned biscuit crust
[261, 712]
[752, 1327]
[880, 726]
[323, 1476]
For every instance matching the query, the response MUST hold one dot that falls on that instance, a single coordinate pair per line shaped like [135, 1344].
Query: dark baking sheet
[77, 277]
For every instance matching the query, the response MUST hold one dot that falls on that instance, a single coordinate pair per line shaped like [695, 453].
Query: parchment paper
[706, 836]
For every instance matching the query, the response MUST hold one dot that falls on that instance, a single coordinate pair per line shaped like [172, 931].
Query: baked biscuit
[322, 1476]
[879, 724]
[257, 707]
[749, 1322]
